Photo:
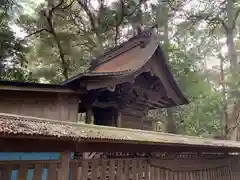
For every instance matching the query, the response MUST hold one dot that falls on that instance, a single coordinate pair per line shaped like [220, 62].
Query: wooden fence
[111, 169]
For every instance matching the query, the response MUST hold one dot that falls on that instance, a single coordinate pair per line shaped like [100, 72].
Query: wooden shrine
[116, 93]
[127, 81]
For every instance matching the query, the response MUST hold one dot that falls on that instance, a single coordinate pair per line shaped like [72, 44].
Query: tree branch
[83, 4]
[136, 7]
[37, 32]
[209, 19]
[235, 18]
[57, 6]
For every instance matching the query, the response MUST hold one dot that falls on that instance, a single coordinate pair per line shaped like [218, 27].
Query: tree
[225, 18]
[70, 32]
[12, 51]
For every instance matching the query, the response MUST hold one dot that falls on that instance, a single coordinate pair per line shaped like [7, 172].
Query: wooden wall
[134, 122]
[59, 106]
[131, 121]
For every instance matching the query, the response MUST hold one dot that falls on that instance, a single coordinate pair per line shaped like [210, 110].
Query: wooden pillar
[89, 115]
[65, 165]
[119, 119]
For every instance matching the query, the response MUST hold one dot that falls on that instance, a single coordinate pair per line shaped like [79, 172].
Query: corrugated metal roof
[22, 125]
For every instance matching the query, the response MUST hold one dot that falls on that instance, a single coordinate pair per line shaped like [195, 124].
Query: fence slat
[6, 173]
[74, 171]
[94, 170]
[119, 169]
[85, 167]
[140, 170]
[126, 169]
[146, 170]
[23, 171]
[52, 172]
[37, 174]
[112, 169]
[134, 169]
[103, 170]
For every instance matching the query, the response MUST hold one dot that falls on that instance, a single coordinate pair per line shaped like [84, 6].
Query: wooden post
[119, 119]
[65, 165]
[89, 115]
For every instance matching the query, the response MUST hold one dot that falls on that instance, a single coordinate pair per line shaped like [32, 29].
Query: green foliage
[12, 51]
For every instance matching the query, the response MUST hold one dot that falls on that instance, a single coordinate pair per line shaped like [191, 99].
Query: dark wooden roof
[114, 56]
[25, 127]
[129, 59]
[31, 86]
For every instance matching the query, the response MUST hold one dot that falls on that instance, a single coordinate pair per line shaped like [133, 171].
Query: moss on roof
[32, 126]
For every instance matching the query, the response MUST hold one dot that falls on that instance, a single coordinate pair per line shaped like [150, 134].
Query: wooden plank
[191, 175]
[94, 170]
[119, 169]
[126, 169]
[103, 170]
[160, 174]
[84, 171]
[146, 170]
[134, 169]
[6, 173]
[74, 171]
[37, 174]
[23, 171]
[52, 172]
[140, 170]
[20, 143]
[65, 165]
[39, 89]
[112, 169]
[188, 176]
[175, 176]
[155, 172]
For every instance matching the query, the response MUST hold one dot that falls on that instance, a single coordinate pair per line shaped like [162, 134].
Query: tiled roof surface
[21, 125]
[144, 37]
[133, 59]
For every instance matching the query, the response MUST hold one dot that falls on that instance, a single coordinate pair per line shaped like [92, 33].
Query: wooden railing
[109, 169]
[29, 170]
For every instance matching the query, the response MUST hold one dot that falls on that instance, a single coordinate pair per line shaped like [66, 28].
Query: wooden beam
[40, 89]
[65, 165]
[153, 95]
[56, 145]
[105, 104]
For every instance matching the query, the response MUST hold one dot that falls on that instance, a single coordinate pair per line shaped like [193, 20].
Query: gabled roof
[127, 60]
[114, 56]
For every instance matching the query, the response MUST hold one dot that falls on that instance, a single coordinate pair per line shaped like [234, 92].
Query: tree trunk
[64, 63]
[225, 112]
[171, 126]
[232, 56]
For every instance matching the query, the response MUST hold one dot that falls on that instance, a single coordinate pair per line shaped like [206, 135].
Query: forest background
[51, 40]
